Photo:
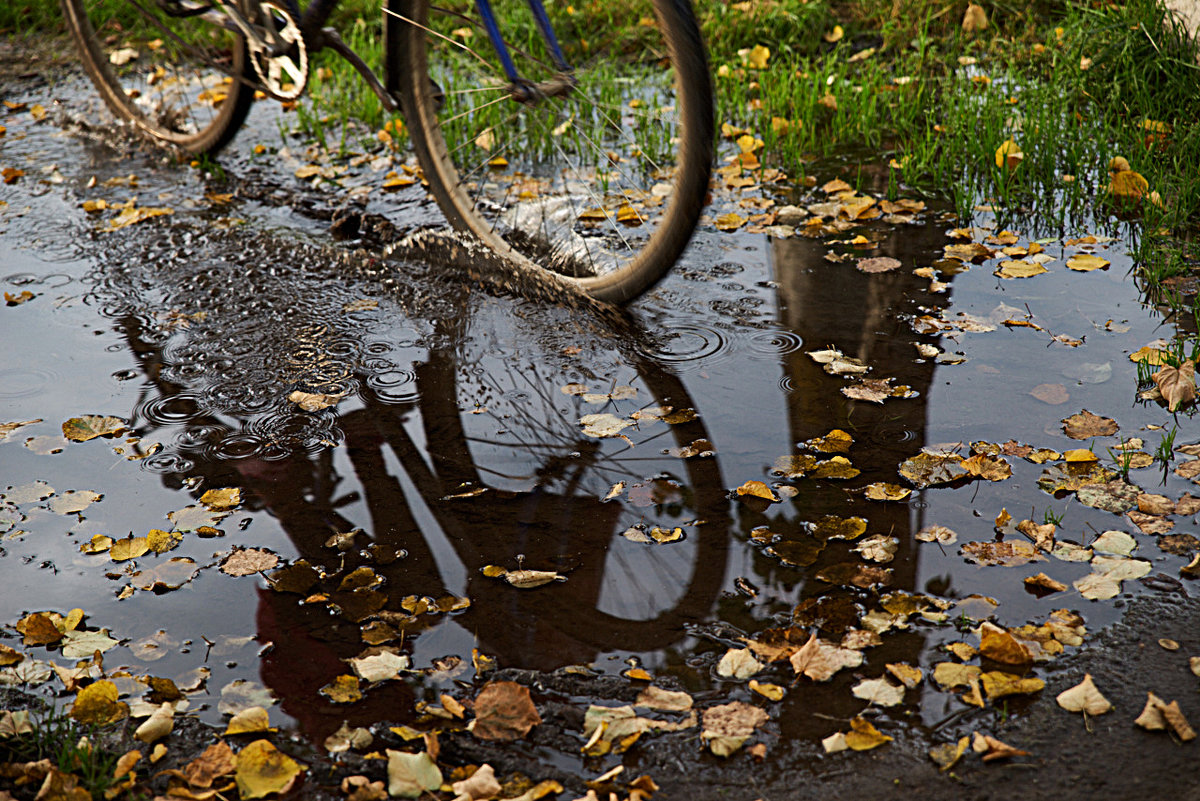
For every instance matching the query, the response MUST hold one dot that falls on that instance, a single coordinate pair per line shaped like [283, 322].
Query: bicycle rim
[603, 185]
[174, 77]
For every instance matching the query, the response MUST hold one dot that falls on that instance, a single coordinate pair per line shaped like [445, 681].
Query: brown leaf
[1008, 553]
[1086, 425]
[975, 19]
[1177, 384]
[504, 711]
[992, 749]
[248, 561]
[1053, 394]
[999, 645]
[880, 264]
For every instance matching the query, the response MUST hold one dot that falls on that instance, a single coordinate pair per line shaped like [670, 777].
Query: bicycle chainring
[283, 76]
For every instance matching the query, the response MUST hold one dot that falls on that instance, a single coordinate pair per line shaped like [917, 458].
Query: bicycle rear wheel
[602, 184]
[175, 78]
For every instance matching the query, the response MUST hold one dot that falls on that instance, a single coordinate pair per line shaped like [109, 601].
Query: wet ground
[450, 440]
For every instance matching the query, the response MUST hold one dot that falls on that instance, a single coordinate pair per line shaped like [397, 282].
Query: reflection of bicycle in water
[485, 461]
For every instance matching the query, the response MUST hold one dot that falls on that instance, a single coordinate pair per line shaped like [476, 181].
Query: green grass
[72, 748]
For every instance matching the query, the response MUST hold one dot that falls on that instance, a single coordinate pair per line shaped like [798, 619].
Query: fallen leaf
[999, 645]
[250, 720]
[819, 660]
[1086, 262]
[158, 725]
[727, 727]
[1084, 697]
[928, 469]
[992, 749]
[998, 684]
[313, 402]
[934, 533]
[482, 784]
[342, 690]
[1008, 553]
[879, 264]
[948, 754]
[1053, 394]
[263, 769]
[879, 691]
[82, 429]
[249, 561]
[97, 704]
[1177, 384]
[757, 489]
[863, 736]
[975, 19]
[1086, 425]
[738, 663]
[504, 711]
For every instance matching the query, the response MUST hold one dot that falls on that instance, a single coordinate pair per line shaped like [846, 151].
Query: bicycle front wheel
[597, 173]
[176, 78]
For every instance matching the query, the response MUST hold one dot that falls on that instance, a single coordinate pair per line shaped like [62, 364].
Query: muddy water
[453, 446]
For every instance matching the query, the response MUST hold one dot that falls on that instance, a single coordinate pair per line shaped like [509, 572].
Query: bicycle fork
[522, 89]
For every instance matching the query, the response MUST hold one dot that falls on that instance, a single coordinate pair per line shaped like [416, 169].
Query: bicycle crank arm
[333, 40]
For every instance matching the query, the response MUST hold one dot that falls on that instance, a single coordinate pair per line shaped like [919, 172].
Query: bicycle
[569, 145]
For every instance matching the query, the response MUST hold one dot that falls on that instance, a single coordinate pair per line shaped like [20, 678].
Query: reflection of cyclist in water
[432, 490]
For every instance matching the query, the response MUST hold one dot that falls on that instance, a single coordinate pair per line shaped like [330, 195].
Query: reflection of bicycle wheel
[516, 475]
[596, 172]
[174, 77]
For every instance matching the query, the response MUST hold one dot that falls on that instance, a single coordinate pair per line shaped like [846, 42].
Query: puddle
[449, 445]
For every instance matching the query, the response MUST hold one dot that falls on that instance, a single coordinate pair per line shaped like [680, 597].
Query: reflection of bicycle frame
[406, 486]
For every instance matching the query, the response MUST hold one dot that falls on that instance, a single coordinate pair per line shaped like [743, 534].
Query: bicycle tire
[190, 95]
[647, 212]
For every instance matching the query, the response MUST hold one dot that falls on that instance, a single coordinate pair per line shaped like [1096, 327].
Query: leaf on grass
[1177, 384]
[263, 769]
[1084, 697]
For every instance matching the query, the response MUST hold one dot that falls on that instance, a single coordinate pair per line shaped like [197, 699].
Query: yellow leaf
[252, 719]
[1009, 155]
[1128, 185]
[757, 57]
[1085, 698]
[1086, 262]
[975, 19]
[263, 769]
[129, 548]
[97, 704]
[757, 489]
[1149, 355]
[162, 541]
[835, 35]
[730, 222]
[1020, 269]
[863, 736]
[129, 216]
